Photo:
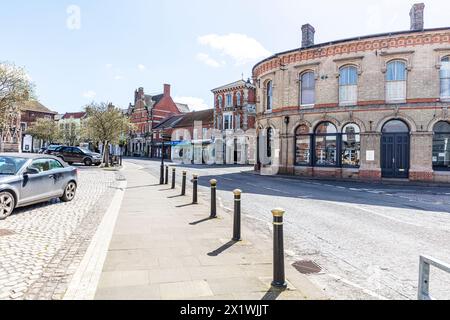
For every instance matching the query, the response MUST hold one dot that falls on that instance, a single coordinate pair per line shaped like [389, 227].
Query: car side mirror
[31, 170]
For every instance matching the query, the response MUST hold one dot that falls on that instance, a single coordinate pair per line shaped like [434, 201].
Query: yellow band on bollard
[278, 223]
[184, 172]
[195, 176]
[213, 182]
[278, 212]
[237, 192]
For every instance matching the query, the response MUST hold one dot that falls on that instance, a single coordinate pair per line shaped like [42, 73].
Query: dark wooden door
[395, 155]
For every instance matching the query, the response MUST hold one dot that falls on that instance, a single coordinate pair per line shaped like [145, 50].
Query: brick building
[235, 110]
[146, 113]
[190, 133]
[30, 112]
[370, 107]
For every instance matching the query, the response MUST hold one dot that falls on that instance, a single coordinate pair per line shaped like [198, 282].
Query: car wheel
[7, 204]
[69, 192]
[87, 162]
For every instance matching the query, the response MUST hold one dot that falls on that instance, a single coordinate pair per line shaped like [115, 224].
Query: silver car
[27, 179]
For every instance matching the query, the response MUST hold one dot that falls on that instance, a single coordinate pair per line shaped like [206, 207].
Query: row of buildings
[159, 120]
[371, 107]
[14, 136]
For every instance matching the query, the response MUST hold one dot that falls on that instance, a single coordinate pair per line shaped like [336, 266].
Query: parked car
[73, 155]
[51, 148]
[27, 179]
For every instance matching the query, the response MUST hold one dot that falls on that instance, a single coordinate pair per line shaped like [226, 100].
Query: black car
[50, 149]
[78, 155]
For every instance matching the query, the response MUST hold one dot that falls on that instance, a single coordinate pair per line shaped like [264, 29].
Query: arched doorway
[395, 150]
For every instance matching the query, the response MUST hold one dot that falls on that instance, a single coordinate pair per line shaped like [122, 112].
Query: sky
[81, 51]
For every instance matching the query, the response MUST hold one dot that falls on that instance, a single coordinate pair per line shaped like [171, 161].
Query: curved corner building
[364, 108]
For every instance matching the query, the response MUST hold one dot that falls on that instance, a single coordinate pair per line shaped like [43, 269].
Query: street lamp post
[161, 177]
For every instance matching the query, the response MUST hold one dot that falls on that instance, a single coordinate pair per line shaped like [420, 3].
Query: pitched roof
[36, 106]
[206, 116]
[236, 84]
[74, 115]
[169, 122]
[184, 108]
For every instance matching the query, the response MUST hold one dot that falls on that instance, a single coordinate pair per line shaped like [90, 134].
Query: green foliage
[45, 129]
[105, 123]
[15, 87]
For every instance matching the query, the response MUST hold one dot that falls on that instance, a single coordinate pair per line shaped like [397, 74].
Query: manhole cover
[5, 232]
[307, 267]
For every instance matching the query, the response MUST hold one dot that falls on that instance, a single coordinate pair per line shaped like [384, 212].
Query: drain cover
[307, 267]
[5, 232]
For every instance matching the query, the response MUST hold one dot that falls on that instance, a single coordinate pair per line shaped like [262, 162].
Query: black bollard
[195, 189]
[166, 181]
[213, 183]
[183, 184]
[161, 175]
[279, 280]
[237, 215]
[173, 178]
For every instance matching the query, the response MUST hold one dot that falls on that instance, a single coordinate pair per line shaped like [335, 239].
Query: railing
[424, 275]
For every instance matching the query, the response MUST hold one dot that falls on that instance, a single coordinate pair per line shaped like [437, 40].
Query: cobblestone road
[41, 246]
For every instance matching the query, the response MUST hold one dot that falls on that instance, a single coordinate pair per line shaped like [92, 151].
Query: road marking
[228, 179]
[277, 190]
[253, 185]
[350, 283]
[85, 280]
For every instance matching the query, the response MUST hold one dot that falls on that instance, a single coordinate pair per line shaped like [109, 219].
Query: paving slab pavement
[164, 248]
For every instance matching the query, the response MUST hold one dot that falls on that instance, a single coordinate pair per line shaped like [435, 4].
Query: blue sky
[194, 45]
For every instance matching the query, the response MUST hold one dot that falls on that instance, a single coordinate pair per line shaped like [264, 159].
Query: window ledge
[268, 112]
[395, 101]
[348, 104]
[307, 106]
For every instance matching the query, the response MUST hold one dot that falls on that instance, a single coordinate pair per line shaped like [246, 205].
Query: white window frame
[267, 96]
[348, 93]
[400, 86]
[306, 105]
[230, 115]
[442, 64]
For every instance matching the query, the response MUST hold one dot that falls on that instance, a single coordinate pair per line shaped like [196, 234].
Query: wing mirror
[31, 171]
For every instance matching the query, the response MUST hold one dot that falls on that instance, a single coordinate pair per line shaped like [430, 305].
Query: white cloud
[141, 67]
[195, 104]
[89, 94]
[240, 47]
[206, 59]
[118, 77]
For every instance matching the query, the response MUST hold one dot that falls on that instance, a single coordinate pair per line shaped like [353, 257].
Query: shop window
[326, 139]
[302, 146]
[441, 146]
[351, 145]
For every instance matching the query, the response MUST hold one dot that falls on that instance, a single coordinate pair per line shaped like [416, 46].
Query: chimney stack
[308, 32]
[167, 90]
[416, 14]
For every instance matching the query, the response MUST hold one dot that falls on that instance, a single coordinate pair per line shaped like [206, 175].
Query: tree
[15, 87]
[106, 124]
[45, 129]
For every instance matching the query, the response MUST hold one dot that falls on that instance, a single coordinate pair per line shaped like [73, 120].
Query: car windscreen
[11, 165]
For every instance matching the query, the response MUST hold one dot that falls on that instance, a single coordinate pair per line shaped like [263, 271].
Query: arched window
[229, 98]
[326, 145]
[269, 142]
[307, 89]
[396, 81]
[269, 95]
[238, 99]
[302, 146]
[348, 85]
[395, 126]
[351, 145]
[445, 78]
[441, 146]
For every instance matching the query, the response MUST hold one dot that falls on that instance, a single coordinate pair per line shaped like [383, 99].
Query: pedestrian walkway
[165, 248]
